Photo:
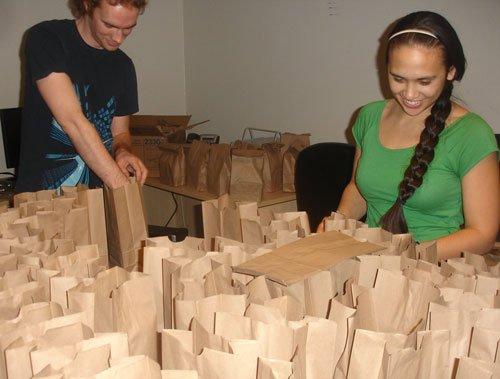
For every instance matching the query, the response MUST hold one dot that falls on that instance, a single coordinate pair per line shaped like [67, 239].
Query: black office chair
[322, 171]
[10, 120]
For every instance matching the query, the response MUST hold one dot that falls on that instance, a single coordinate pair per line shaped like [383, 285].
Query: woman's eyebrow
[422, 78]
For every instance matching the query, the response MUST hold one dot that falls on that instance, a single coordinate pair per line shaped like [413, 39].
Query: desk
[159, 203]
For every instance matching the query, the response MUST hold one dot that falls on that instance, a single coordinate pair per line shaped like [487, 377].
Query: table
[160, 198]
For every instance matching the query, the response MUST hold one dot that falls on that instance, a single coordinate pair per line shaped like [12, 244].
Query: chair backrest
[10, 119]
[322, 172]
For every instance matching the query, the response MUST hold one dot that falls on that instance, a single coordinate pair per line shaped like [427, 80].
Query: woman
[423, 163]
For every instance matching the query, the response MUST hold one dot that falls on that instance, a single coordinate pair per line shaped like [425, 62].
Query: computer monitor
[10, 118]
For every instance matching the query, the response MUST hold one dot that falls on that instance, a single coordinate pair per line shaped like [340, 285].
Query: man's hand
[131, 164]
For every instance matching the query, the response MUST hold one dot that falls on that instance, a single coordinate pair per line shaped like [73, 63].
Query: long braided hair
[447, 40]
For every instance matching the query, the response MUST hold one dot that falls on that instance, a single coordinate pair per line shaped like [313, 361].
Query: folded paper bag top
[300, 259]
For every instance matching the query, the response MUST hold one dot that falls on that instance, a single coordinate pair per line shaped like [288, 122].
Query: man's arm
[57, 91]
[122, 150]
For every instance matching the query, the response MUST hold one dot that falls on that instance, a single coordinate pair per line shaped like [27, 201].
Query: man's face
[111, 24]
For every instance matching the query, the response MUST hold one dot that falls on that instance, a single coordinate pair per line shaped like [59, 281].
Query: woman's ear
[451, 73]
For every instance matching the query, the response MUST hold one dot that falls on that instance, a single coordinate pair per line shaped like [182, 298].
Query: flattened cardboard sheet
[300, 259]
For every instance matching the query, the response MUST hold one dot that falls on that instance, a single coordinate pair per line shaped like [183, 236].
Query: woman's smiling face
[417, 75]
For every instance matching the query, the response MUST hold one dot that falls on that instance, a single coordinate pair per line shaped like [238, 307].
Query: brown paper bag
[273, 369]
[315, 340]
[197, 165]
[95, 299]
[93, 200]
[301, 140]
[177, 350]
[51, 223]
[203, 339]
[118, 343]
[179, 374]
[24, 197]
[214, 364]
[88, 362]
[289, 159]
[473, 368]
[484, 344]
[252, 231]
[404, 363]
[458, 322]
[219, 281]
[152, 266]
[246, 175]
[219, 169]
[125, 223]
[17, 358]
[369, 357]
[204, 309]
[172, 164]
[134, 312]
[76, 226]
[434, 353]
[273, 167]
[135, 367]
[265, 314]
[220, 218]
[389, 307]
[289, 307]
[63, 205]
[260, 291]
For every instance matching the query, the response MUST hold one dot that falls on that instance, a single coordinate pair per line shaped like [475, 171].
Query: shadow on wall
[380, 63]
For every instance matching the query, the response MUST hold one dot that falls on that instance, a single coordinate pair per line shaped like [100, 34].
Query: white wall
[156, 46]
[307, 65]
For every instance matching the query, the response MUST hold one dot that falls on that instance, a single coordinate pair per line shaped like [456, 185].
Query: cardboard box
[150, 131]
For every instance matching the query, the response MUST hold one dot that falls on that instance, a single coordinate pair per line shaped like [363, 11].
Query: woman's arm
[481, 205]
[352, 204]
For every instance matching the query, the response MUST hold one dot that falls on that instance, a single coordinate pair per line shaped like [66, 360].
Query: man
[79, 92]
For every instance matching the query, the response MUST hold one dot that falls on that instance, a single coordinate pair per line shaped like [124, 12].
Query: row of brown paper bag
[244, 222]
[397, 361]
[245, 171]
[78, 215]
[128, 308]
[83, 216]
[198, 165]
[202, 276]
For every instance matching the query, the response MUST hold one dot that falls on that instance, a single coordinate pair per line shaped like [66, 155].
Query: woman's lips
[412, 103]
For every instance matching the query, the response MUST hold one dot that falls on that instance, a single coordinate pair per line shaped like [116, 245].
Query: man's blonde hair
[80, 8]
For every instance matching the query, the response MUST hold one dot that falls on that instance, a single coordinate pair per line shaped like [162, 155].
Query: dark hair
[447, 40]
[78, 8]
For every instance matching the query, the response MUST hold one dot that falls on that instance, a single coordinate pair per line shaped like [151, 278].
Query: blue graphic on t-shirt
[69, 169]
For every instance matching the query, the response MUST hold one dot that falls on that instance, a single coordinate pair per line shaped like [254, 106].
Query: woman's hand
[321, 226]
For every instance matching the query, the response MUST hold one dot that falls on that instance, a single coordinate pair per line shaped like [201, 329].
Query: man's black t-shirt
[104, 82]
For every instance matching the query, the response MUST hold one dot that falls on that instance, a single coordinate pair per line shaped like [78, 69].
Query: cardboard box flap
[147, 130]
[301, 259]
[159, 125]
